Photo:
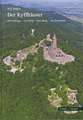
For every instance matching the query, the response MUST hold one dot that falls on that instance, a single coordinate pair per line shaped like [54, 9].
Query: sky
[30, 3]
[37, 1]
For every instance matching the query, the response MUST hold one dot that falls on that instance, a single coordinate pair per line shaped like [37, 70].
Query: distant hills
[54, 15]
[73, 11]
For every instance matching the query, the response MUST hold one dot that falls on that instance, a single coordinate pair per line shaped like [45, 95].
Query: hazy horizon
[45, 3]
[38, 1]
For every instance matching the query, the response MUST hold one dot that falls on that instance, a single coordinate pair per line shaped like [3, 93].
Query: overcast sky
[37, 1]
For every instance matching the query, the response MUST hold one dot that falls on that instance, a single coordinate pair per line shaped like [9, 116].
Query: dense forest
[23, 96]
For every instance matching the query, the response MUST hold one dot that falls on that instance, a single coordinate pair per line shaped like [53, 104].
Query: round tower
[48, 38]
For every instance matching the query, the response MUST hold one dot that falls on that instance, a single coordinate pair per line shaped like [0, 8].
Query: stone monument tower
[54, 43]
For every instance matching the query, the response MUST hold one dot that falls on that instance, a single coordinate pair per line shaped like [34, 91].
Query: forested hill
[67, 31]
[24, 96]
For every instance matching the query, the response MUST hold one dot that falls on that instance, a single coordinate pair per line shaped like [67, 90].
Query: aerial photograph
[41, 60]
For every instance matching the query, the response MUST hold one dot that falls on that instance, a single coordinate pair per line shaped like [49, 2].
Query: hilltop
[26, 95]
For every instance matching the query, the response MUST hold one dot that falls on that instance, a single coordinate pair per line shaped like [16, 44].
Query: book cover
[41, 60]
